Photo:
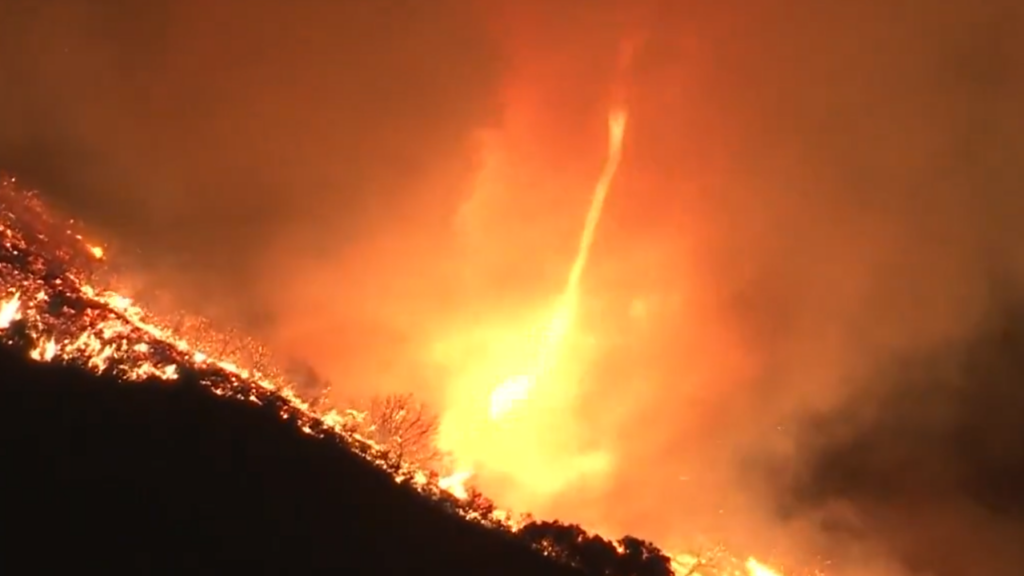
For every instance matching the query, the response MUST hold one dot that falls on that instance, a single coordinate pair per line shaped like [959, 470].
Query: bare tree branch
[405, 427]
[706, 560]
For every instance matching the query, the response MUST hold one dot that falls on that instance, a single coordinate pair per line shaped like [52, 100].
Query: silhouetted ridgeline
[165, 476]
[170, 478]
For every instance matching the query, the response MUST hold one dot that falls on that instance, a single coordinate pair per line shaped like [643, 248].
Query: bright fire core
[521, 380]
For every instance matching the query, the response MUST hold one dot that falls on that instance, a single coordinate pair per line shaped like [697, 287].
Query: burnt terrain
[125, 447]
[158, 477]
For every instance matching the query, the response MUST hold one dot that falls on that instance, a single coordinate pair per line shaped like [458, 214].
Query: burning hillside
[54, 307]
[58, 306]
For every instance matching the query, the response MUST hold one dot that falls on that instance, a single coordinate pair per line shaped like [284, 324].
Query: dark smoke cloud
[926, 465]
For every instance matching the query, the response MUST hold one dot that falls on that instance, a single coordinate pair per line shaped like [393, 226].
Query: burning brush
[56, 305]
[52, 305]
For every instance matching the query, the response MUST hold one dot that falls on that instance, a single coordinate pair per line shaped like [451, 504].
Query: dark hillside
[169, 478]
[178, 462]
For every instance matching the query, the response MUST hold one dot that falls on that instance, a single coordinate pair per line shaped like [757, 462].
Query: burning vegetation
[58, 304]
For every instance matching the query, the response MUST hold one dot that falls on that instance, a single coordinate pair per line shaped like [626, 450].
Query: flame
[755, 568]
[532, 370]
[507, 394]
[516, 380]
[455, 483]
[10, 310]
[48, 307]
[616, 131]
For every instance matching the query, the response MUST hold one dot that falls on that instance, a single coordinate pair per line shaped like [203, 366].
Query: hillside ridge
[167, 478]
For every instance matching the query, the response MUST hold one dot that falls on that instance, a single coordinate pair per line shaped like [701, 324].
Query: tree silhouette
[594, 555]
[405, 427]
[639, 557]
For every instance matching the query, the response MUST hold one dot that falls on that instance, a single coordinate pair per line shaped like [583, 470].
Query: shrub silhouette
[593, 554]
[405, 427]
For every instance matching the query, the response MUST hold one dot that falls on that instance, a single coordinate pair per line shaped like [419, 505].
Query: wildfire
[50, 308]
[518, 388]
[516, 379]
[10, 311]
[455, 484]
[533, 370]
[756, 568]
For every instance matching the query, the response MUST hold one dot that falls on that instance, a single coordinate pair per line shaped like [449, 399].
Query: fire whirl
[54, 306]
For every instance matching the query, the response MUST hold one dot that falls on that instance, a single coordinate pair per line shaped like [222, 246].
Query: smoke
[839, 186]
[815, 202]
[231, 147]
[812, 198]
[926, 465]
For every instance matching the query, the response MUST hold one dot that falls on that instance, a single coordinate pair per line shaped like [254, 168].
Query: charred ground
[157, 477]
[123, 446]
[126, 446]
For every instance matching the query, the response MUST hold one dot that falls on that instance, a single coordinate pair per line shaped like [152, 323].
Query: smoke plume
[812, 239]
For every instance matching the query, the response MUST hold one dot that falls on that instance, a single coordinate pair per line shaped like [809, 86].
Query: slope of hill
[126, 445]
[123, 445]
[157, 477]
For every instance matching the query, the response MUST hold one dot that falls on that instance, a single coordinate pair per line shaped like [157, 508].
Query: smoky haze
[214, 133]
[819, 203]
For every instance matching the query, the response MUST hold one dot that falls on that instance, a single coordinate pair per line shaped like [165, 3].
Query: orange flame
[104, 330]
[508, 429]
[755, 568]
